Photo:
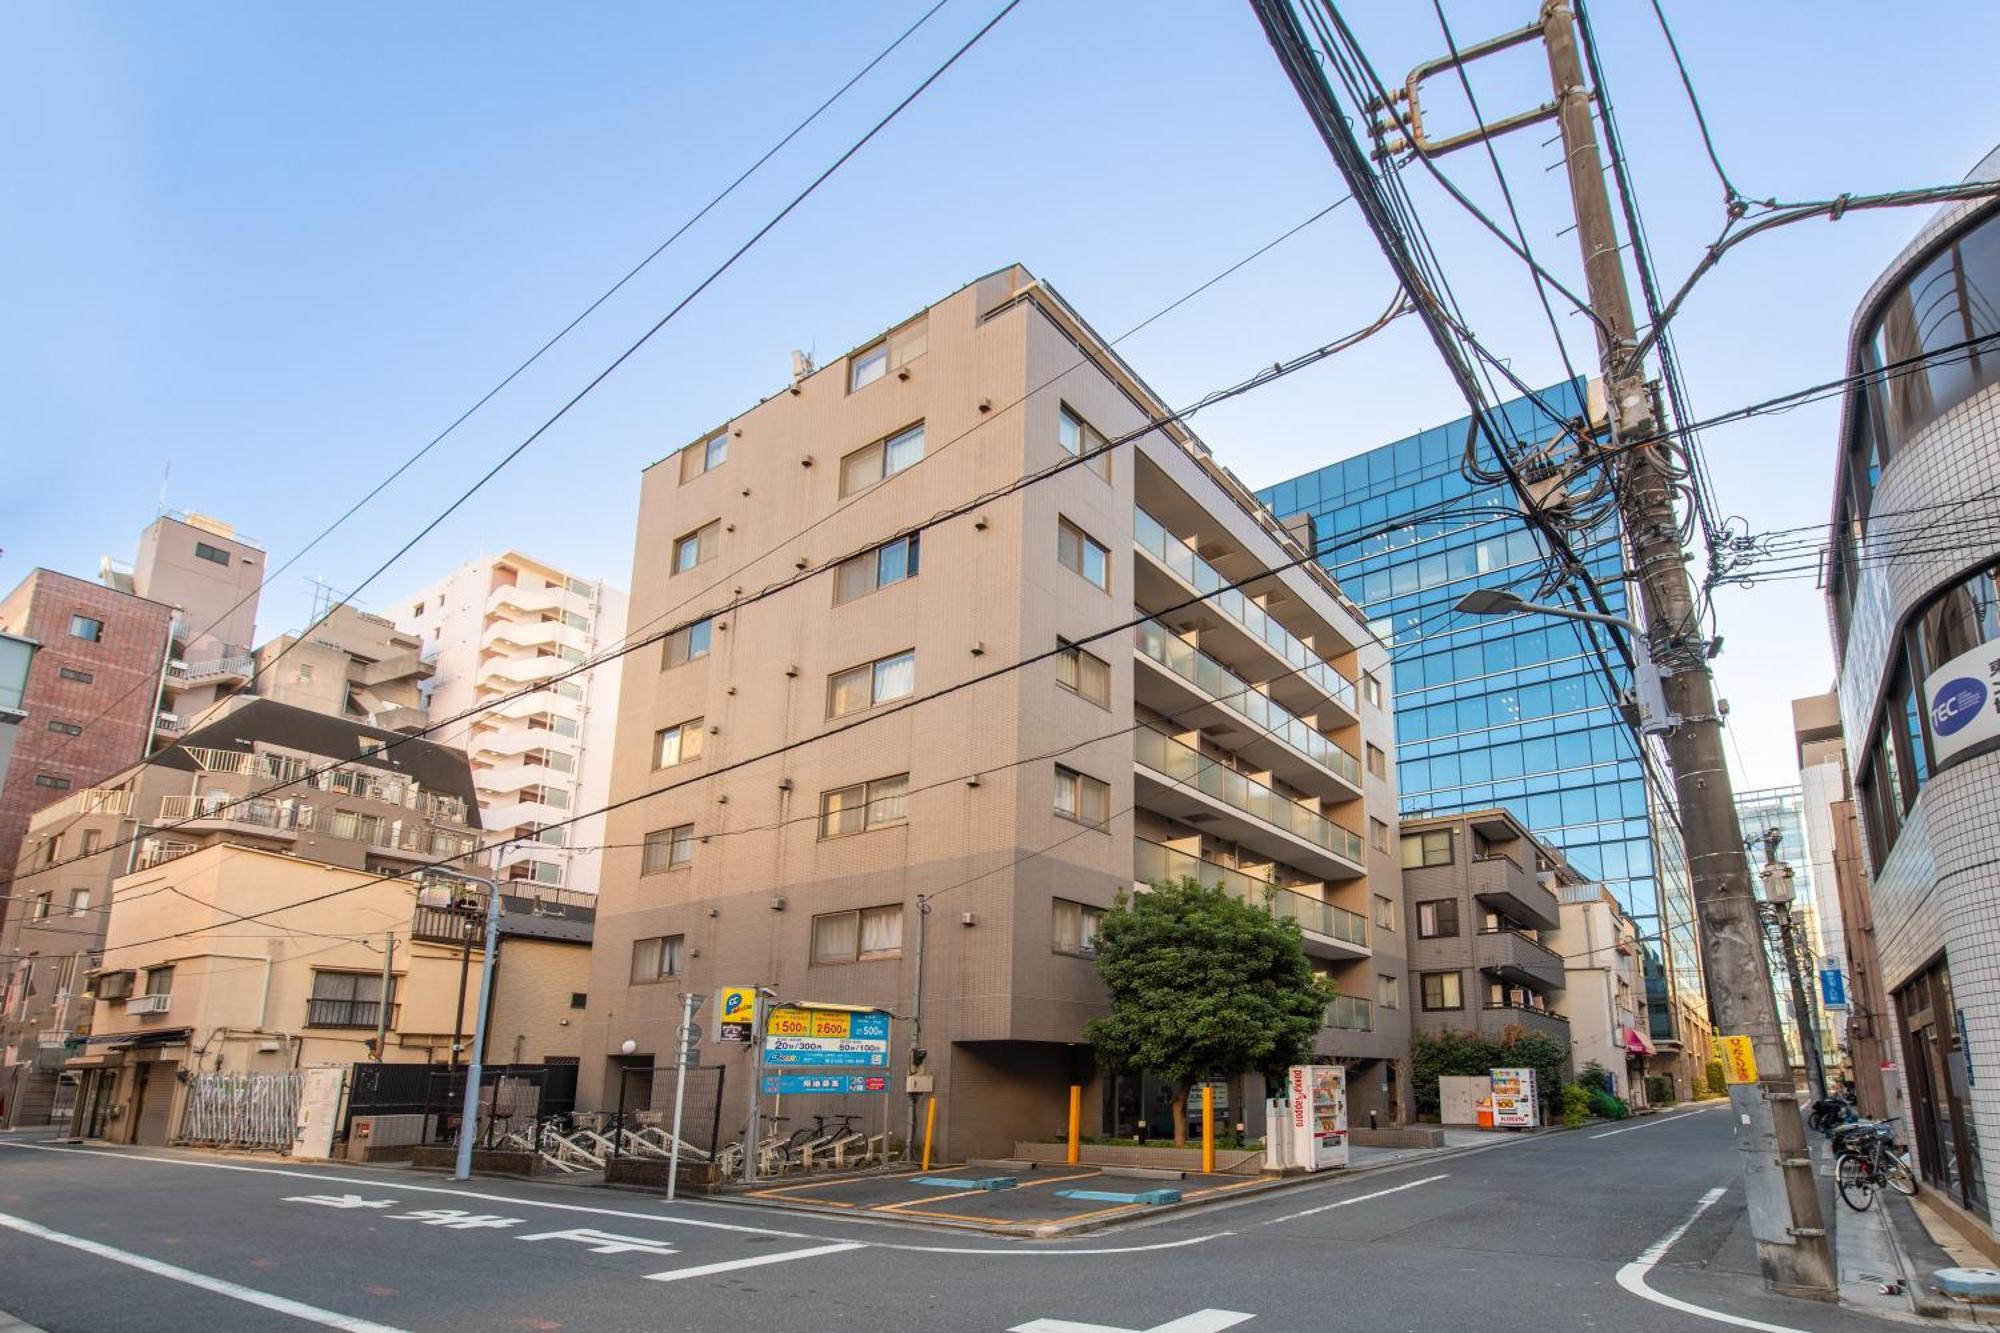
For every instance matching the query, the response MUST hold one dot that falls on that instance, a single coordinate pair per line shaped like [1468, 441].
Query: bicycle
[1867, 1161]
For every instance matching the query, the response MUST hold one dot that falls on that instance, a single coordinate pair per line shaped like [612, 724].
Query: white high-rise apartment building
[494, 628]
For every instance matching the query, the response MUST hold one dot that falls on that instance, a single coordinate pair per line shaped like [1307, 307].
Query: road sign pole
[680, 1091]
[756, 1080]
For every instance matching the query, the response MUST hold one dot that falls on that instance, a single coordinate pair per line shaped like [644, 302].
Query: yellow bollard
[1075, 1122]
[930, 1125]
[1208, 1128]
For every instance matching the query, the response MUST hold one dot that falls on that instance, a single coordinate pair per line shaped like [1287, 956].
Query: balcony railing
[444, 925]
[226, 667]
[89, 801]
[1156, 863]
[263, 814]
[1352, 1012]
[1168, 757]
[1196, 667]
[1204, 578]
[154, 852]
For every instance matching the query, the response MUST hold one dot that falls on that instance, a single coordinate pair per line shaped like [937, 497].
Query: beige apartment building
[373, 815]
[1480, 896]
[510, 631]
[843, 791]
[1604, 988]
[353, 665]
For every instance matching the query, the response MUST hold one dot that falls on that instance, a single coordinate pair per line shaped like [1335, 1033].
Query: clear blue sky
[280, 246]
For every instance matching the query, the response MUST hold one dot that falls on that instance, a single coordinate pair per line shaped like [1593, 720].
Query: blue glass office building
[1514, 711]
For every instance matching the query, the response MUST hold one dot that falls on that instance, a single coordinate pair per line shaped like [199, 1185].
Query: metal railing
[1153, 538]
[347, 1013]
[214, 668]
[1156, 862]
[1196, 667]
[281, 816]
[1189, 768]
[155, 853]
[89, 801]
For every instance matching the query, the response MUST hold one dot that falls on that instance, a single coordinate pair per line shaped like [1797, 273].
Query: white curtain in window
[1068, 927]
[855, 578]
[889, 800]
[646, 959]
[841, 811]
[895, 677]
[861, 469]
[835, 937]
[848, 692]
[882, 930]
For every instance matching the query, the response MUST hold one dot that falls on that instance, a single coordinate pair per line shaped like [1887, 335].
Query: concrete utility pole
[1793, 1248]
[1778, 882]
[382, 1001]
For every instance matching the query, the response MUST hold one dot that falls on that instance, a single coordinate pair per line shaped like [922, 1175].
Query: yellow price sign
[789, 1023]
[1739, 1062]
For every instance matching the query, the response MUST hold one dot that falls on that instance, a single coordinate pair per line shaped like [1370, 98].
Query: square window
[1074, 927]
[686, 645]
[214, 554]
[1378, 761]
[871, 683]
[1421, 850]
[1385, 913]
[865, 806]
[1083, 673]
[1081, 797]
[579, 999]
[859, 936]
[677, 744]
[1077, 439]
[1083, 554]
[867, 365]
[885, 458]
[656, 959]
[1441, 990]
[697, 547]
[84, 627]
[668, 849]
[1437, 919]
[1388, 992]
[890, 563]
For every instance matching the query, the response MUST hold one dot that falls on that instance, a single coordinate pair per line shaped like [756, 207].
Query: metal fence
[437, 1092]
[242, 1110]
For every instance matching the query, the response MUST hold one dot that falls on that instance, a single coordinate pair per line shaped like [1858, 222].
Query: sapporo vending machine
[1318, 1116]
[1515, 1105]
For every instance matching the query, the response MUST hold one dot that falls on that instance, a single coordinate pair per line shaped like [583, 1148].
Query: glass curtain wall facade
[1515, 711]
[1784, 809]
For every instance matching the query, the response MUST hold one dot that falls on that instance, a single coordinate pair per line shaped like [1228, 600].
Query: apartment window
[1082, 797]
[886, 564]
[544, 872]
[687, 645]
[867, 365]
[1441, 991]
[563, 726]
[657, 958]
[864, 806]
[557, 761]
[51, 781]
[1077, 438]
[871, 683]
[79, 901]
[1426, 849]
[569, 689]
[90, 837]
[1388, 992]
[576, 622]
[1378, 835]
[1378, 762]
[1385, 913]
[1078, 551]
[697, 547]
[849, 937]
[1075, 927]
[677, 744]
[1371, 688]
[579, 999]
[705, 455]
[884, 458]
[160, 980]
[668, 849]
[1083, 673]
[1437, 919]
[553, 797]
[66, 728]
[347, 999]
[71, 673]
[83, 627]
[215, 554]
[41, 907]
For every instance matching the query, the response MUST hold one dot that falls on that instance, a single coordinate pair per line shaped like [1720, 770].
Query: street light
[1648, 697]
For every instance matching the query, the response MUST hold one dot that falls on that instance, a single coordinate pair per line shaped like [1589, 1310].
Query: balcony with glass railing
[1211, 679]
[1330, 931]
[1301, 662]
[1182, 782]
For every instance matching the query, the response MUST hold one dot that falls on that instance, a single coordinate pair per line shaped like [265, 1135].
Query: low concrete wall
[1415, 1136]
[651, 1173]
[1231, 1161]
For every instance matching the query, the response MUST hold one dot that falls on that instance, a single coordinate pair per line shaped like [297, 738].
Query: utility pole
[468, 1124]
[1793, 1248]
[1778, 888]
[382, 1001]
[690, 1034]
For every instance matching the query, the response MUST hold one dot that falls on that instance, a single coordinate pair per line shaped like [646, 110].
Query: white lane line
[388, 1182]
[1655, 1124]
[1632, 1276]
[248, 1295]
[1359, 1198]
[1023, 1252]
[754, 1261]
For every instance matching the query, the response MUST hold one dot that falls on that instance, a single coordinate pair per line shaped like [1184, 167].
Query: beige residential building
[370, 816]
[499, 632]
[352, 665]
[1480, 898]
[848, 794]
[1604, 988]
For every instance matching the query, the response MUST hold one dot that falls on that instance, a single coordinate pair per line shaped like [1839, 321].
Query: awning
[136, 1040]
[1636, 1042]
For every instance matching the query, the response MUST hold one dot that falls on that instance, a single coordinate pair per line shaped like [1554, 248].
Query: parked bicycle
[1866, 1160]
[1829, 1113]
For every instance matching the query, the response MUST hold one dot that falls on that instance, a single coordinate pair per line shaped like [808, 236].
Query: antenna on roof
[802, 366]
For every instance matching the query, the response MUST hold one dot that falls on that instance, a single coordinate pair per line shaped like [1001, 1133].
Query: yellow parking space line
[1078, 1217]
[911, 1205]
[1223, 1189]
[829, 1184]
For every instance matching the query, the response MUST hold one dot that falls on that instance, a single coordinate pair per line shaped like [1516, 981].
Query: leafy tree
[1467, 1053]
[1717, 1084]
[1575, 1104]
[1202, 984]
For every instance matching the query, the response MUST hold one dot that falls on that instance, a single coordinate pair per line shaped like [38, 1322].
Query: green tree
[1203, 985]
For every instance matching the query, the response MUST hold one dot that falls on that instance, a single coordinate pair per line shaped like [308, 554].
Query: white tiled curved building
[1915, 604]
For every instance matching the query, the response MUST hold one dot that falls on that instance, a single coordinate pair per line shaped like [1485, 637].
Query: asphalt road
[1530, 1236]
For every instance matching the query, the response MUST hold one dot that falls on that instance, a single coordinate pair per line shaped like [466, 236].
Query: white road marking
[248, 1295]
[1655, 1124]
[1359, 1198]
[340, 1201]
[1022, 1252]
[606, 1242]
[754, 1261]
[1632, 1276]
[1201, 1321]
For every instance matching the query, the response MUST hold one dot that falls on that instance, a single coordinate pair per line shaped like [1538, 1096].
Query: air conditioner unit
[148, 1004]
